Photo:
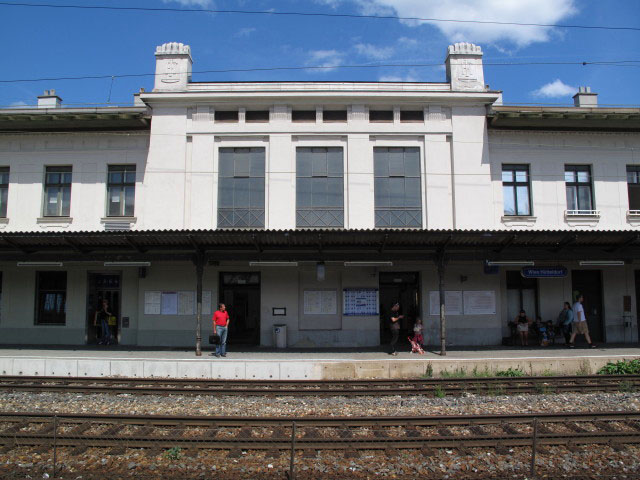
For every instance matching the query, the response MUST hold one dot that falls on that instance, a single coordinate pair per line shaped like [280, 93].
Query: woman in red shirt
[221, 326]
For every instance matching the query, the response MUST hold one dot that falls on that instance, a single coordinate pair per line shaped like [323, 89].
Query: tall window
[319, 187]
[121, 190]
[515, 190]
[4, 190]
[241, 187]
[398, 200]
[52, 298]
[522, 294]
[578, 182]
[57, 192]
[633, 187]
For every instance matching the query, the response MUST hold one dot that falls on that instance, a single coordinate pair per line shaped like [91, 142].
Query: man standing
[579, 323]
[221, 326]
[395, 327]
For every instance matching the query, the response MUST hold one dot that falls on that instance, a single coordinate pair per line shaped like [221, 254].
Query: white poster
[320, 302]
[206, 302]
[452, 302]
[186, 303]
[169, 303]
[152, 303]
[481, 302]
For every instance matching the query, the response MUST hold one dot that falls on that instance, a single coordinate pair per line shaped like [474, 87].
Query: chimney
[584, 98]
[464, 67]
[173, 67]
[49, 100]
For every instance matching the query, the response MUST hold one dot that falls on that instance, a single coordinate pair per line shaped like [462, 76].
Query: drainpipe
[443, 330]
[199, 261]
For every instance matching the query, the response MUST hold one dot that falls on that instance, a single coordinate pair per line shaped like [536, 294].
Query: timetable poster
[360, 302]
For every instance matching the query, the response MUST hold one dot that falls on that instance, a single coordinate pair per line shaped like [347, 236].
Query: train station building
[315, 206]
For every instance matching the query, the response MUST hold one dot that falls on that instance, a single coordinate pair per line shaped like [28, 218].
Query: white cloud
[192, 3]
[407, 42]
[245, 32]
[18, 104]
[325, 58]
[521, 11]
[373, 52]
[554, 89]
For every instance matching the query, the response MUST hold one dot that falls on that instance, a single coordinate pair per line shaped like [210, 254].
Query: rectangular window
[522, 294]
[412, 116]
[241, 188]
[256, 116]
[515, 190]
[334, 116]
[52, 298]
[226, 116]
[319, 187]
[579, 193]
[303, 116]
[57, 192]
[4, 190]
[381, 115]
[121, 190]
[633, 187]
[398, 198]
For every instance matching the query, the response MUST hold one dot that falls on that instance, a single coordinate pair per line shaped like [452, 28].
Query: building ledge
[4, 221]
[518, 220]
[54, 221]
[582, 217]
[118, 223]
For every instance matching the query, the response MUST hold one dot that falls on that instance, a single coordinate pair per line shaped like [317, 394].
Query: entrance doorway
[589, 284]
[103, 286]
[637, 278]
[240, 292]
[403, 288]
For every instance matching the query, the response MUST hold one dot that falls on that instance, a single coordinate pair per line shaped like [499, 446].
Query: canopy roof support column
[199, 261]
[443, 330]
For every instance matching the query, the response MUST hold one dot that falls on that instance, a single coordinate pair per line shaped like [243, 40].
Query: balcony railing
[582, 213]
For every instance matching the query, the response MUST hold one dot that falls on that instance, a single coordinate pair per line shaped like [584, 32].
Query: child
[417, 332]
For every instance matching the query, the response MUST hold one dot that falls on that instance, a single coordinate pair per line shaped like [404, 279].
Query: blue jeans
[221, 349]
[106, 331]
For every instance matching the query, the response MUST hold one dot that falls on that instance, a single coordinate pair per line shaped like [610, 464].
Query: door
[637, 278]
[102, 286]
[589, 284]
[240, 292]
[403, 288]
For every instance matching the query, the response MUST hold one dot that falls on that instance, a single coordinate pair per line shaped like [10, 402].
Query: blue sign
[544, 272]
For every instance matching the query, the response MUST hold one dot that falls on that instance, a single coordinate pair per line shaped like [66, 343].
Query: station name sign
[544, 272]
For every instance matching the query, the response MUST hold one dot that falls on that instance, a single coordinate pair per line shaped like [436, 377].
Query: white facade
[177, 185]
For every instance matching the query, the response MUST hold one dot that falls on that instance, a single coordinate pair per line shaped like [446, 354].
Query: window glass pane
[257, 162]
[381, 190]
[569, 176]
[115, 177]
[242, 162]
[53, 178]
[521, 175]
[257, 192]
[396, 162]
[335, 191]
[66, 201]
[303, 160]
[241, 196]
[523, 200]
[335, 162]
[509, 200]
[396, 192]
[130, 176]
[631, 176]
[66, 177]
[412, 162]
[584, 198]
[319, 163]
[634, 197]
[225, 193]
[51, 201]
[412, 192]
[113, 194]
[129, 200]
[572, 200]
[3, 201]
[4, 176]
[303, 192]
[319, 192]
[226, 162]
[507, 175]
[381, 162]
[583, 177]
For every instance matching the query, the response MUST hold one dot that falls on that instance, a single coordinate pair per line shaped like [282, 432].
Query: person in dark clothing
[102, 317]
[565, 320]
[395, 327]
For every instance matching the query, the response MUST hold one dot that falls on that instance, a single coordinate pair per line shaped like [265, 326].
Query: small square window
[334, 116]
[256, 116]
[412, 116]
[381, 115]
[226, 116]
[303, 116]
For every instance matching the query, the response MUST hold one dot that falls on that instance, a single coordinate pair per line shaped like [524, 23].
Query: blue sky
[44, 42]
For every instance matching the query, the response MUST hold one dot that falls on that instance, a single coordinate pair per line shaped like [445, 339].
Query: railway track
[312, 434]
[428, 386]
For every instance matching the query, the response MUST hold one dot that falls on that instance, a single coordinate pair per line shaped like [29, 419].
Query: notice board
[360, 302]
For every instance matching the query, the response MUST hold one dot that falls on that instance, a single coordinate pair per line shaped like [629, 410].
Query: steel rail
[428, 386]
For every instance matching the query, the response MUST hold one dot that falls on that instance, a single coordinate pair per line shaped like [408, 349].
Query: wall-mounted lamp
[601, 263]
[510, 263]
[320, 271]
[273, 264]
[127, 264]
[39, 264]
[368, 264]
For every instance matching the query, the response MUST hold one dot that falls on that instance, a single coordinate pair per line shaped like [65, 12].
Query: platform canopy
[321, 245]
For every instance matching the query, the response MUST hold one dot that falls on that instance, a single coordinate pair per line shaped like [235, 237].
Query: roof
[321, 244]
[76, 119]
[564, 118]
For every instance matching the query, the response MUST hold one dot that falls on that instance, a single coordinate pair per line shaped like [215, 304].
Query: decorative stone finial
[173, 67]
[464, 67]
[464, 48]
[173, 48]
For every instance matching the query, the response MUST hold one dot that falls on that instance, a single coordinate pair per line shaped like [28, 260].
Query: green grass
[439, 393]
[623, 367]
[457, 373]
[481, 373]
[429, 372]
[510, 372]
[585, 368]
[548, 373]
[174, 453]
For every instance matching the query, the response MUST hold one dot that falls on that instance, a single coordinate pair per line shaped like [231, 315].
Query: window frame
[39, 300]
[4, 190]
[575, 169]
[327, 174]
[514, 184]
[635, 170]
[122, 185]
[60, 169]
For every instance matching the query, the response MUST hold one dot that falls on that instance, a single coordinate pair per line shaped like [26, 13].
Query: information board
[152, 303]
[320, 302]
[480, 302]
[452, 302]
[360, 302]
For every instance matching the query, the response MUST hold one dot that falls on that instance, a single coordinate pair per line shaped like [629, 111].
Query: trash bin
[280, 336]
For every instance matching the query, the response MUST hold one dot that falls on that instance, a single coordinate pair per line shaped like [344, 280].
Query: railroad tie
[311, 433]
[15, 428]
[80, 429]
[509, 429]
[617, 444]
[351, 453]
[445, 432]
[378, 432]
[309, 453]
[633, 424]
[278, 432]
[116, 451]
[245, 432]
[575, 427]
[478, 430]
[428, 452]
[7, 448]
[153, 452]
[234, 453]
[211, 432]
[113, 430]
[412, 431]
[345, 432]
[605, 426]
[272, 453]
[391, 452]
[502, 449]
[78, 450]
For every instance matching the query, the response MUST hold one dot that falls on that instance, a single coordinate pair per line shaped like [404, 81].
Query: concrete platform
[299, 365]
